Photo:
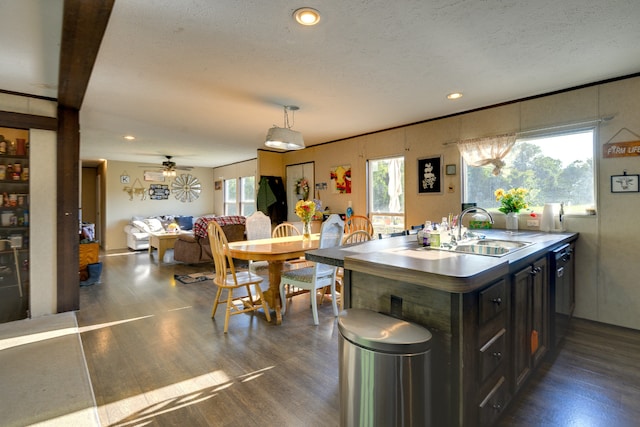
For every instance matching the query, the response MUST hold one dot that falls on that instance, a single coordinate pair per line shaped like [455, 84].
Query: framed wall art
[340, 179]
[158, 192]
[430, 175]
[624, 183]
[153, 176]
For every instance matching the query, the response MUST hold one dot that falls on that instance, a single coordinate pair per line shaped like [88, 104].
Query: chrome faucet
[464, 212]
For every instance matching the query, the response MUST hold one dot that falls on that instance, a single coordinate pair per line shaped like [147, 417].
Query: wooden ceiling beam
[83, 27]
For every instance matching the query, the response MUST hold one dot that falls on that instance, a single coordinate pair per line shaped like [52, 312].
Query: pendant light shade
[284, 138]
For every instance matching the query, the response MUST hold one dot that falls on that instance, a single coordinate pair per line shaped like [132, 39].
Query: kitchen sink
[490, 247]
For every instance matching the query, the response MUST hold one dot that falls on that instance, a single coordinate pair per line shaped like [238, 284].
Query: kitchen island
[489, 315]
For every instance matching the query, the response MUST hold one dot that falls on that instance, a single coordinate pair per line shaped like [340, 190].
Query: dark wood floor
[593, 381]
[155, 357]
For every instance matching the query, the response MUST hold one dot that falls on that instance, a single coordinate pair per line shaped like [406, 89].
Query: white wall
[43, 224]
[119, 209]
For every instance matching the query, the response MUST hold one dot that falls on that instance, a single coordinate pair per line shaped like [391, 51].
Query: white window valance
[490, 150]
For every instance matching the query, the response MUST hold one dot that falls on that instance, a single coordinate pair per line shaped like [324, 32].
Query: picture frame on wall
[217, 185]
[624, 183]
[430, 175]
[153, 176]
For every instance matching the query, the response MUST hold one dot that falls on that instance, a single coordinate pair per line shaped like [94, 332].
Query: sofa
[194, 248]
[138, 229]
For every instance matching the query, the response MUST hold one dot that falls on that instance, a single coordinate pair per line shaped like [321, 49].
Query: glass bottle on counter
[424, 235]
[435, 238]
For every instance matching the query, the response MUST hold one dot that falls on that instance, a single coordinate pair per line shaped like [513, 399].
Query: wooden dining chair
[355, 237]
[358, 222]
[285, 229]
[227, 278]
[319, 275]
[258, 226]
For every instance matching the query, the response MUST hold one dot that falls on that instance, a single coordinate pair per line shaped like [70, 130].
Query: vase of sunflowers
[306, 209]
[511, 202]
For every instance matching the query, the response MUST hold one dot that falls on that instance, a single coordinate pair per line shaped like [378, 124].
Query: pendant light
[284, 138]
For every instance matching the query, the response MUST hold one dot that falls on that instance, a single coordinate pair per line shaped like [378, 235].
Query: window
[230, 197]
[247, 195]
[243, 204]
[554, 168]
[385, 189]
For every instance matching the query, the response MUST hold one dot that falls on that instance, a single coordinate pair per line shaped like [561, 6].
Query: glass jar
[306, 230]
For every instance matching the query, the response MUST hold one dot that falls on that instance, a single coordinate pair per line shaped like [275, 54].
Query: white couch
[138, 229]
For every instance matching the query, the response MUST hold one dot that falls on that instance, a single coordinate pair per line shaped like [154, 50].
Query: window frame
[392, 225]
[542, 134]
[240, 202]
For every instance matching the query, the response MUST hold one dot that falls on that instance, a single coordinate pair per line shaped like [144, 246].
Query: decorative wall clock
[186, 188]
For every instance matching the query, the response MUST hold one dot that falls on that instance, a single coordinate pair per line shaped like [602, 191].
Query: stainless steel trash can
[384, 371]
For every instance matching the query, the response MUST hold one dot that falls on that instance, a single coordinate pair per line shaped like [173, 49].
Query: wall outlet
[533, 223]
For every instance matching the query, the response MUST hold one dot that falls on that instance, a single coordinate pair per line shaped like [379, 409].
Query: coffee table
[162, 242]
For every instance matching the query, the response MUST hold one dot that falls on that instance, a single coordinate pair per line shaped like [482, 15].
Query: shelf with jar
[15, 172]
[18, 146]
[13, 238]
[14, 224]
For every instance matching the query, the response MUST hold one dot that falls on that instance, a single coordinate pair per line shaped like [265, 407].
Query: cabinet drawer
[493, 301]
[493, 403]
[492, 353]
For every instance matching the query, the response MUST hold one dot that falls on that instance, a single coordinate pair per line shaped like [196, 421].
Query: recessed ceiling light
[307, 16]
[454, 95]
[129, 137]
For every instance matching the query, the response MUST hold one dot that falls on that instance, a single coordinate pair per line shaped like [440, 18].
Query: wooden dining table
[275, 251]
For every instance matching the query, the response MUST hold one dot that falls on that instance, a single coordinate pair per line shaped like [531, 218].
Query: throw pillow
[141, 225]
[154, 225]
[185, 222]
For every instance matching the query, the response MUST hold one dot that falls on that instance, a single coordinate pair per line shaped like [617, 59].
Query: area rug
[193, 278]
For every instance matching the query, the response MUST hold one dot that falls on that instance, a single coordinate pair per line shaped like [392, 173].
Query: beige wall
[119, 209]
[88, 194]
[607, 275]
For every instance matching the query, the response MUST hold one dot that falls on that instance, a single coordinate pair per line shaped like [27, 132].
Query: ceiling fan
[169, 167]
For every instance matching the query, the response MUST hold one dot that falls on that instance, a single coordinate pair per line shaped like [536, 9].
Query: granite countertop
[401, 258]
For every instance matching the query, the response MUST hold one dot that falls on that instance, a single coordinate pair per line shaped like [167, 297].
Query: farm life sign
[621, 149]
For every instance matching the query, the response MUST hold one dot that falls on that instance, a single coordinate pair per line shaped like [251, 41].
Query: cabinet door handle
[535, 270]
[497, 301]
[497, 407]
[497, 355]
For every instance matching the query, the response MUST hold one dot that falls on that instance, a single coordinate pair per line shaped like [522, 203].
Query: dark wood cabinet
[492, 356]
[487, 341]
[530, 319]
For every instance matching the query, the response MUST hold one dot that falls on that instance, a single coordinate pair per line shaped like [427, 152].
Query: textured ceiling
[204, 80]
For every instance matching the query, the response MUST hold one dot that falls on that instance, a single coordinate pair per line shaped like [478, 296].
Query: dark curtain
[272, 198]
